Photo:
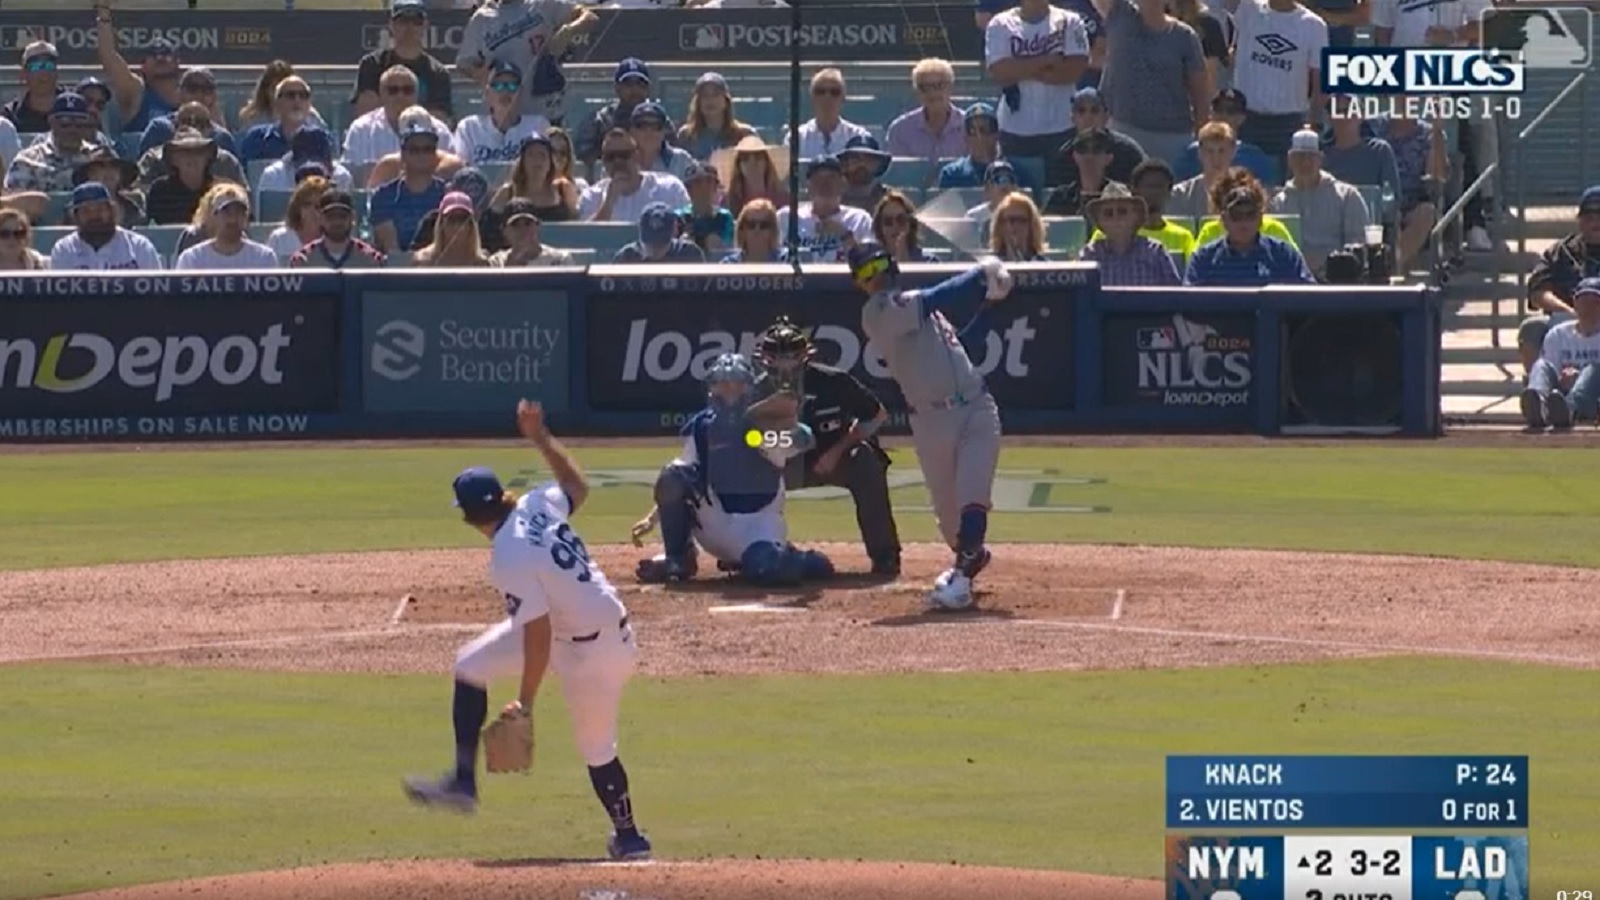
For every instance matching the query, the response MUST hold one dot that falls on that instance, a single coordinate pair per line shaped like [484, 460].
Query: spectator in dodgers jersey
[1554, 280]
[1564, 383]
[1089, 113]
[659, 241]
[1156, 81]
[408, 24]
[1355, 158]
[630, 85]
[197, 85]
[827, 131]
[1245, 257]
[338, 248]
[310, 145]
[47, 166]
[188, 159]
[496, 134]
[650, 128]
[705, 222]
[935, 129]
[711, 124]
[143, 95]
[376, 133]
[827, 227]
[228, 247]
[1277, 66]
[1035, 52]
[30, 110]
[456, 243]
[118, 175]
[292, 106]
[1126, 258]
[864, 166]
[526, 248]
[534, 36]
[302, 220]
[983, 150]
[623, 194]
[1332, 213]
[397, 207]
[16, 250]
[98, 243]
[1229, 106]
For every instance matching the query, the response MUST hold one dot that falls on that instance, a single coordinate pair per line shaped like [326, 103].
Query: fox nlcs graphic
[1432, 70]
[1192, 363]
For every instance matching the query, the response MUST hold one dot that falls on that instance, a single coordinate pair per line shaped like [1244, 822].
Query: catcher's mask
[784, 349]
[730, 380]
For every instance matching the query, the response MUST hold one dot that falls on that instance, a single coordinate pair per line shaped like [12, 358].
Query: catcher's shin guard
[676, 492]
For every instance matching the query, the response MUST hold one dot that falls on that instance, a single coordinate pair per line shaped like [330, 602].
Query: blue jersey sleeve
[957, 297]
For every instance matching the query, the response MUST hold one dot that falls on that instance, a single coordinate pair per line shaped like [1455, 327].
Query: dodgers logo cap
[477, 489]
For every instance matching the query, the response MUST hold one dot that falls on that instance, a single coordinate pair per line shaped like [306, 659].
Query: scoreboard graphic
[1347, 828]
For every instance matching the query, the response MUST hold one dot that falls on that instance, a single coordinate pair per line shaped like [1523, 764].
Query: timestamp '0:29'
[1574, 895]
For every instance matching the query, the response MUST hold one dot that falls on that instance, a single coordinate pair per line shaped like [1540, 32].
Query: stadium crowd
[1167, 141]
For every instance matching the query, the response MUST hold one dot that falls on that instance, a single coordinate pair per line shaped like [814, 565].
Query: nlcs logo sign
[1419, 71]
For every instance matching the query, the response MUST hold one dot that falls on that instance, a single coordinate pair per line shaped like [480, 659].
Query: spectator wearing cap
[471, 182]
[430, 84]
[627, 189]
[197, 85]
[1192, 196]
[827, 131]
[338, 248]
[397, 207]
[228, 248]
[302, 218]
[1089, 113]
[536, 179]
[1564, 381]
[711, 124]
[376, 134]
[189, 159]
[659, 240]
[936, 128]
[456, 243]
[496, 134]
[1360, 159]
[707, 223]
[30, 111]
[1244, 257]
[999, 182]
[864, 166]
[651, 128]
[412, 122]
[1332, 213]
[525, 248]
[1420, 158]
[95, 93]
[1091, 155]
[827, 227]
[119, 176]
[1035, 52]
[1229, 106]
[1554, 280]
[291, 105]
[97, 242]
[982, 136]
[308, 146]
[1156, 80]
[1126, 258]
[193, 117]
[631, 87]
[48, 165]
[144, 95]
[533, 35]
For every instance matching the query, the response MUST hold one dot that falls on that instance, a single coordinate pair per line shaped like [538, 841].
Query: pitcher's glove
[508, 741]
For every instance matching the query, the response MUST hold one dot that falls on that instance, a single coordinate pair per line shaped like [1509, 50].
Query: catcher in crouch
[725, 491]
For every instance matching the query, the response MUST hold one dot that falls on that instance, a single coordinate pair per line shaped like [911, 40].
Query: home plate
[757, 608]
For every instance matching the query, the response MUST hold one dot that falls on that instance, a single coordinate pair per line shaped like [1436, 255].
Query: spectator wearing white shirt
[828, 131]
[310, 147]
[496, 135]
[1035, 52]
[376, 134]
[1278, 66]
[228, 248]
[302, 221]
[649, 125]
[828, 228]
[99, 244]
[10, 143]
[1564, 384]
[626, 190]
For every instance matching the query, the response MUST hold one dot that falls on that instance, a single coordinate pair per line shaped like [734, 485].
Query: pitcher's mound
[703, 880]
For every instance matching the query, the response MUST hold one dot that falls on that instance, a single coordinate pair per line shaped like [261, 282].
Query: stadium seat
[959, 234]
[45, 237]
[56, 211]
[1378, 207]
[272, 206]
[495, 172]
[908, 172]
[1066, 234]
[254, 168]
[400, 259]
[1292, 223]
[260, 231]
[165, 237]
[605, 238]
[360, 172]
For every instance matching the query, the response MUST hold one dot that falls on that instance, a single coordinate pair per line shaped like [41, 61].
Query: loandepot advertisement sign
[1015, 490]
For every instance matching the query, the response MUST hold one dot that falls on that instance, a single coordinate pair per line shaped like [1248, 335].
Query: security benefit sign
[109, 356]
[470, 352]
[1202, 363]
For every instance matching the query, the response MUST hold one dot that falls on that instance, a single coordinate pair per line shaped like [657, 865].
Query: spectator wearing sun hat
[651, 128]
[408, 25]
[659, 241]
[397, 207]
[982, 136]
[496, 134]
[119, 176]
[98, 243]
[864, 166]
[706, 222]
[309, 145]
[631, 86]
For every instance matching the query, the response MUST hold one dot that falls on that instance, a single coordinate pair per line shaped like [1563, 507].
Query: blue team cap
[980, 111]
[648, 113]
[1000, 172]
[1587, 286]
[90, 192]
[70, 105]
[632, 67]
[814, 166]
[1590, 201]
[477, 490]
[658, 224]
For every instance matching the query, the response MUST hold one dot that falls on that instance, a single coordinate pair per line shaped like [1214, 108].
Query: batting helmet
[869, 260]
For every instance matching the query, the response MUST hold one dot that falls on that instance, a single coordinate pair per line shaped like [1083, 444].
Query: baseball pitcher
[561, 615]
[955, 424]
[725, 491]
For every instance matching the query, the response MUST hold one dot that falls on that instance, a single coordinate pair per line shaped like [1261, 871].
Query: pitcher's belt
[584, 639]
[954, 401]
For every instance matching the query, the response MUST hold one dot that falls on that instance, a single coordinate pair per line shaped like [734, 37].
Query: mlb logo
[374, 37]
[702, 37]
[15, 37]
[1547, 37]
[1157, 338]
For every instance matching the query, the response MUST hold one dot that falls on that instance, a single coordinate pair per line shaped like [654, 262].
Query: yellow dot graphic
[752, 438]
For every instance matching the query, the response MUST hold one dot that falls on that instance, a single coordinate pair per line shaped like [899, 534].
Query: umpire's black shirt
[833, 399]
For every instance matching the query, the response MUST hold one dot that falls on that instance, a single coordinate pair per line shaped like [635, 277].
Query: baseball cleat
[448, 792]
[886, 565]
[664, 569]
[973, 563]
[1533, 409]
[951, 590]
[1558, 411]
[632, 847]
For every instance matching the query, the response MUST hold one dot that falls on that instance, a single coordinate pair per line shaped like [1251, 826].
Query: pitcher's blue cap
[477, 489]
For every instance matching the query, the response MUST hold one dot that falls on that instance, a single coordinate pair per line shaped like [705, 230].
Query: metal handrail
[1457, 208]
[1551, 106]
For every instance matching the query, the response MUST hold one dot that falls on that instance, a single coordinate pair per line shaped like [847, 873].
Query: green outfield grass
[117, 775]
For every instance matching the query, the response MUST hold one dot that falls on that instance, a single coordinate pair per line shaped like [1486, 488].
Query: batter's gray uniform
[515, 31]
[955, 423]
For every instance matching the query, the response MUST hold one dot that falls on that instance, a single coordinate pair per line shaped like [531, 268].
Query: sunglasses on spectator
[13, 233]
[41, 65]
[399, 90]
[759, 224]
[827, 92]
[505, 87]
[617, 155]
[293, 94]
[420, 147]
[896, 219]
[1088, 109]
[980, 129]
[1116, 212]
[1243, 213]
[1015, 220]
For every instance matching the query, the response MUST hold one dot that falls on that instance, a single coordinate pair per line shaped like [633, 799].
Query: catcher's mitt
[508, 743]
[776, 411]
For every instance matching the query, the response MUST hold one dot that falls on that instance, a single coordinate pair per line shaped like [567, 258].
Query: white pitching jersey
[1276, 54]
[1045, 108]
[125, 250]
[1564, 346]
[540, 565]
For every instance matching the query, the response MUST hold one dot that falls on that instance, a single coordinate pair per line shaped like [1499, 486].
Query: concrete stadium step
[1498, 410]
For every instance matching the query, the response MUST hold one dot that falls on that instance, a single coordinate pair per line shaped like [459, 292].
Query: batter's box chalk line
[757, 608]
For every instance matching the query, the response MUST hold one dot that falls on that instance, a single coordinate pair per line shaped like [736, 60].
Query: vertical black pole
[793, 238]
